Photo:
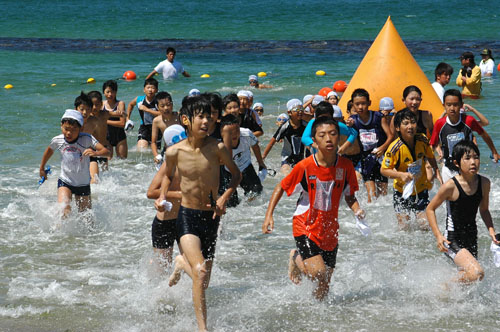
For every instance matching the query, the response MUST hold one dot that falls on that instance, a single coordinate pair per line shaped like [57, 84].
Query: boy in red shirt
[322, 178]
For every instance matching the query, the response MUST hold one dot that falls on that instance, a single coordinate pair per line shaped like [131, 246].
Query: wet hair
[83, 99]
[171, 49]
[453, 92]
[460, 149]
[215, 100]
[443, 68]
[324, 120]
[195, 105]
[228, 120]
[409, 89]
[163, 95]
[404, 114]
[322, 109]
[360, 93]
[349, 106]
[71, 122]
[151, 81]
[95, 94]
[110, 84]
[229, 99]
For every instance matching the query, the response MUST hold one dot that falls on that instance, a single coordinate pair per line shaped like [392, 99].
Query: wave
[453, 47]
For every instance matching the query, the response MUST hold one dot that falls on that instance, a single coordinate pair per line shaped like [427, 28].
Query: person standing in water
[169, 67]
[465, 193]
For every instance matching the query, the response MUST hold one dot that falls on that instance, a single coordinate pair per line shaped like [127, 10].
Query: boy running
[322, 179]
[197, 160]
[166, 118]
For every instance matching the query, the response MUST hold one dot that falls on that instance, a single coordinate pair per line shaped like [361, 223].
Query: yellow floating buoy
[91, 80]
[320, 73]
[205, 76]
[53, 84]
[262, 74]
[8, 86]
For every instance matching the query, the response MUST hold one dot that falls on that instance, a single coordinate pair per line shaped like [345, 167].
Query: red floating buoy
[324, 92]
[129, 75]
[339, 86]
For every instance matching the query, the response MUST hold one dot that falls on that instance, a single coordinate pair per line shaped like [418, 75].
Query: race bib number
[368, 139]
[453, 139]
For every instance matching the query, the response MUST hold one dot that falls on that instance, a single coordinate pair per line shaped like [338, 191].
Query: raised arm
[151, 74]
[483, 121]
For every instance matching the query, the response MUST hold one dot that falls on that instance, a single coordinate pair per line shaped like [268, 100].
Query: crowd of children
[206, 154]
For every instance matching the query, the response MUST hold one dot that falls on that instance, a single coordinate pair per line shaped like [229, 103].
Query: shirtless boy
[197, 160]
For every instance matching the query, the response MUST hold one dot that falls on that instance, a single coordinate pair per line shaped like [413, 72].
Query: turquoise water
[59, 277]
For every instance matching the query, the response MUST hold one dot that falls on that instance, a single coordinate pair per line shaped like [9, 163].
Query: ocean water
[61, 276]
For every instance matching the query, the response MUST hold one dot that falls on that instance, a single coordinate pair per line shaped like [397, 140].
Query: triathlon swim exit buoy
[339, 86]
[129, 75]
[262, 74]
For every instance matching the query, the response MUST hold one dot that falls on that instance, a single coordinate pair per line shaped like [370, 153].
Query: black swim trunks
[307, 248]
[163, 233]
[414, 203]
[99, 160]
[115, 135]
[461, 241]
[201, 224]
[78, 191]
[145, 133]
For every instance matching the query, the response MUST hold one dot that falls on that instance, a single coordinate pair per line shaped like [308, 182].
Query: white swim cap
[249, 93]
[174, 134]
[73, 115]
[332, 93]
[283, 117]
[337, 112]
[194, 92]
[257, 105]
[386, 104]
[292, 103]
[253, 78]
[242, 93]
[317, 99]
[306, 98]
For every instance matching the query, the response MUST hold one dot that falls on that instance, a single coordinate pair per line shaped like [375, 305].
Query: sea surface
[63, 276]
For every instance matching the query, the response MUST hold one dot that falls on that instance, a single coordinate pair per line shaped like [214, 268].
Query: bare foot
[176, 275]
[293, 270]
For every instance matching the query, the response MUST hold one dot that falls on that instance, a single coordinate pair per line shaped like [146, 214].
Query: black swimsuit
[115, 134]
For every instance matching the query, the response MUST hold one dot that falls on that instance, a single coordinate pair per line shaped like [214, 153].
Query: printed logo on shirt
[453, 139]
[323, 198]
[312, 177]
[339, 174]
[387, 162]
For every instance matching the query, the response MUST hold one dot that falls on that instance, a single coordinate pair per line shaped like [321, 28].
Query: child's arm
[489, 142]
[46, 156]
[394, 174]
[155, 186]
[483, 121]
[169, 164]
[226, 158]
[427, 121]
[269, 147]
[268, 225]
[258, 156]
[100, 151]
[484, 208]
[351, 134]
[151, 74]
[306, 135]
[352, 202]
[154, 137]
[437, 174]
[120, 112]
[130, 107]
[149, 110]
[390, 137]
[445, 192]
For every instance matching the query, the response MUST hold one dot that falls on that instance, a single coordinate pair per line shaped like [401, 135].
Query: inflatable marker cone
[387, 68]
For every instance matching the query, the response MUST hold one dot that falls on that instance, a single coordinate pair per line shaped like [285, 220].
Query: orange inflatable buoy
[129, 75]
[498, 68]
[324, 92]
[339, 86]
[388, 57]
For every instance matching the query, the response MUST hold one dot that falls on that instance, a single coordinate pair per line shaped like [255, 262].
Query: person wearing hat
[254, 82]
[259, 108]
[469, 77]
[332, 97]
[487, 63]
[76, 149]
[248, 118]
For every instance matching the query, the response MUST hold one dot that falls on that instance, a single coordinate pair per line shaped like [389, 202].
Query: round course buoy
[8, 86]
[53, 84]
[91, 80]
[205, 76]
[320, 73]
[324, 91]
[262, 74]
[498, 67]
[339, 86]
[129, 75]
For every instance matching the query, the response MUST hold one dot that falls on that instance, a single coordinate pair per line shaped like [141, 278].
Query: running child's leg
[370, 190]
[164, 256]
[94, 172]
[317, 271]
[470, 269]
[381, 189]
[122, 149]
[83, 203]
[64, 196]
[191, 246]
